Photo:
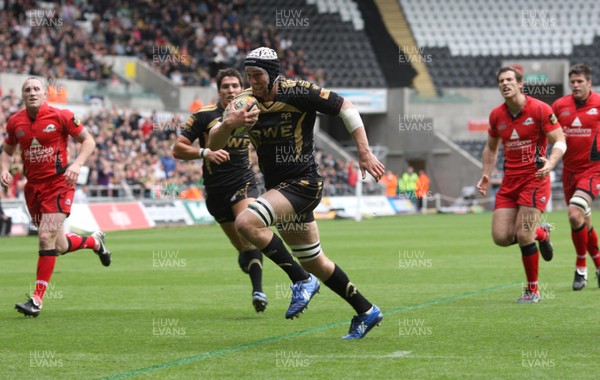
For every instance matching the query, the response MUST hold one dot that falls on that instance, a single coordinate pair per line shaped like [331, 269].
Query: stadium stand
[346, 62]
[475, 148]
[198, 39]
[466, 54]
[133, 151]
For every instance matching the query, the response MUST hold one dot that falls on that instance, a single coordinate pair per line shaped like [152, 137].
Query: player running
[523, 125]
[228, 179]
[284, 140]
[579, 114]
[42, 132]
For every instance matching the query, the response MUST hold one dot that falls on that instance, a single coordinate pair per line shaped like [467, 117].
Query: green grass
[449, 312]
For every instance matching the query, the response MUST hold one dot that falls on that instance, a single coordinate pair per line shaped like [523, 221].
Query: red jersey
[524, 136]
[581, 124]
[43, 141]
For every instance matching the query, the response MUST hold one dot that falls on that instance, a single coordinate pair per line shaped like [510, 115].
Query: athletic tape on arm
[560, 146]
[351, 119]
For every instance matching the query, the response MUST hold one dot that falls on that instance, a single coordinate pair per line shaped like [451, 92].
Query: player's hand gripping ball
[239, 103]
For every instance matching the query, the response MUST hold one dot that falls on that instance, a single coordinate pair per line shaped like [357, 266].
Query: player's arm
[183, 150]
[354, 124]
[551, 127]
[489, 157]
[87, 148]
[220, 133]
[559, 148]
[5, 162]
[330, 103]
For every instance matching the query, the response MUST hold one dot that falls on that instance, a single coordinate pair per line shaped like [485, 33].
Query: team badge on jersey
[593, 111]
[49, 128]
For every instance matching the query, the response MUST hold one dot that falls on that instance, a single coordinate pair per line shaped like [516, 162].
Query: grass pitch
[174, 304]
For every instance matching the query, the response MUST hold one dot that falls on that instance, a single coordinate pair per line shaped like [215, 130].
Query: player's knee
[61, 248]
[259, 214]
[525, 237]
[47, 238]
[503, 240]
[576, 216]
[244, 224]
[579, 208]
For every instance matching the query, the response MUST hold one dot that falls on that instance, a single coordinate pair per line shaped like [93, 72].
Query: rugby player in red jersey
[42, 132]
[523, 125]
[579, 115]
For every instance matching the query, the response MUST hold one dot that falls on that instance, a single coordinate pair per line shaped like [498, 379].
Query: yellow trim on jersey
[212, 123]
[268, 107]
[253, 141]
[208, 164]
[298, 137]
[208, 108]
[287, 83]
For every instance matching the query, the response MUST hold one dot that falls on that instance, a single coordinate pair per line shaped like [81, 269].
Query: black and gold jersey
[284, 134]
[230, 174]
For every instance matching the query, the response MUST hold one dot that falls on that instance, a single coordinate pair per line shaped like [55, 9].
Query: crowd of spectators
[135, 150]
[187, 41]
[339, 177]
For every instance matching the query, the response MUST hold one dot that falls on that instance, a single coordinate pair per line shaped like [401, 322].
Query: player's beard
[260, 92]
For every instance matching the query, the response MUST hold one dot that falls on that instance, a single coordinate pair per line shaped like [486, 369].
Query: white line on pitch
[397, 354]
[394, 355]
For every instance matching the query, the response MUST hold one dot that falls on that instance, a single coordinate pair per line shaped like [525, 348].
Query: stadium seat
[549, 29]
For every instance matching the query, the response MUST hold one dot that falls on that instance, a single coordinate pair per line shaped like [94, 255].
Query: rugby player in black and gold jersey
[229, 182]
[284, 141]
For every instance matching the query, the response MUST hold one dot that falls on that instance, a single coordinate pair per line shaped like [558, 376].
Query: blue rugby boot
[302, 292]
[362, 324]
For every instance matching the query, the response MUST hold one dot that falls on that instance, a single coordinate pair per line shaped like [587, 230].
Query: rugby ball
[238, 103]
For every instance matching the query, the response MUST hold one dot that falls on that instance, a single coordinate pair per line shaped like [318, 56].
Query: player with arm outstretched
[284, 141]
[523, 125]
[42, 132]
[229, 182]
